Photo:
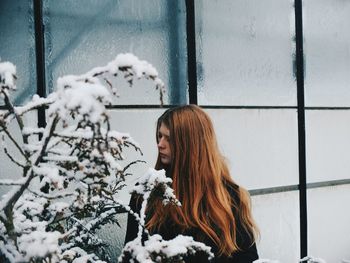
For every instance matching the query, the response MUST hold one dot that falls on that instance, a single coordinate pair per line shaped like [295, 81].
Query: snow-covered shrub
[310, 259]
[72, 172]
[155, 249]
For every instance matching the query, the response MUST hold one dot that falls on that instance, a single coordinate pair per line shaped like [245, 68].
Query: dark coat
[247, 255]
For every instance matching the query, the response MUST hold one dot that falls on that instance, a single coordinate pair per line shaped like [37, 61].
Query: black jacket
[247, 255]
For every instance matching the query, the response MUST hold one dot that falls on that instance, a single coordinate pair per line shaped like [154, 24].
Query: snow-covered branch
[310, 259]
[155, 249]
[72, 171]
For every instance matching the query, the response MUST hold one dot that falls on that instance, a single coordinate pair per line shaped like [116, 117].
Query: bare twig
[14, 141]
[50, 197]
[11, 109]
[12, 159]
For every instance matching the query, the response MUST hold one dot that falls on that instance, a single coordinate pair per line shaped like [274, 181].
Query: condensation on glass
[261, 146]
[328, 223]
[245, 52]
[327, 52]
[81, 35]
[17, 45]
[327, 145]
[277, 216]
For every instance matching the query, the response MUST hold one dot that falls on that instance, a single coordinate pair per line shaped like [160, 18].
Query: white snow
[39, 244]
[50, 175]
[7, 77]
[35, 103]
[180, 245]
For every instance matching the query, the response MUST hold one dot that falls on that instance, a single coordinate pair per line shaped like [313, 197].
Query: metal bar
[139, 106]
[177, 73]
[327, 108]
[274, 190]
[328, 183]
[288, 188]
[40, 57]
[301, 126]
[204, 107]
[191, 51]
[253, 107]
[247, 107]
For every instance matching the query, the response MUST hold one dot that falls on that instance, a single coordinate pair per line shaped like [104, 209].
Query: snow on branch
[71, 169]
[153, 181]
[155, 249]
[72, 172]
[310, 259]
[7, 78]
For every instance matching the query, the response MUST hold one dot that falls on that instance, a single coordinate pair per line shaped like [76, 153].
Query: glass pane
[260, 145]
[327, 145]
[8, 169]
[17, 45]
[328, 223]
[277, 216]
[85, 34]
[141, 125]
[245, 57]
[114, 236]
[327, 52]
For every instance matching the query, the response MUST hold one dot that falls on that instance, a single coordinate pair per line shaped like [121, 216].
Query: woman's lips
[162, 155]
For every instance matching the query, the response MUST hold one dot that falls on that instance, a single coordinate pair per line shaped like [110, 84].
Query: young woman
[214, 210]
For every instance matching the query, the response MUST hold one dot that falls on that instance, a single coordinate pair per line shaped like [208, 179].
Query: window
[273, 75]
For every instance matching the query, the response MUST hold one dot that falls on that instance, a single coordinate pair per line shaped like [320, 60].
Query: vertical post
[191, 51]
[40, 57]
[301, 127]
[176, 16]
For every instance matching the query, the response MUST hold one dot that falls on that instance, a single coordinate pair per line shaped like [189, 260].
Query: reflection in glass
[245, 52]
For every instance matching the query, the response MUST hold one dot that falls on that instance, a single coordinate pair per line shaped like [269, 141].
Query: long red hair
[200, 181]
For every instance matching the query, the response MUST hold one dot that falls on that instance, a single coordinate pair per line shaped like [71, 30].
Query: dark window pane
[17, 45]
[84, 34]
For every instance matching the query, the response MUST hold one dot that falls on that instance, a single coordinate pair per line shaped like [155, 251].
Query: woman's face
[164, 144]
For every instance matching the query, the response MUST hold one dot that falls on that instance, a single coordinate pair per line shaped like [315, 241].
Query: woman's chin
[165, 161]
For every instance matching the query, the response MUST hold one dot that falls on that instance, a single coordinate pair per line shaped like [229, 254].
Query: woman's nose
[161, 143]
